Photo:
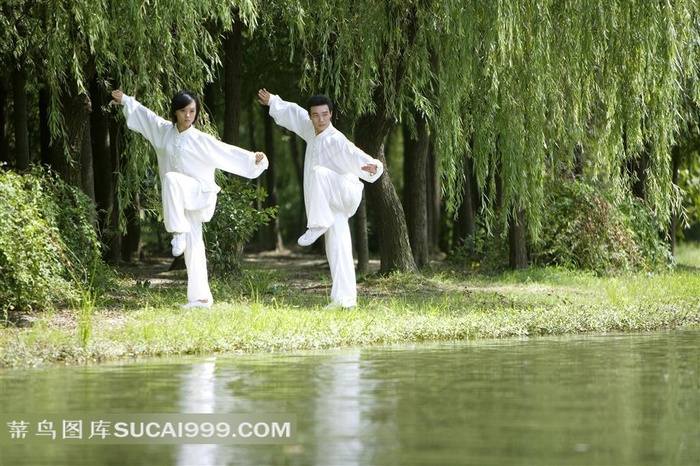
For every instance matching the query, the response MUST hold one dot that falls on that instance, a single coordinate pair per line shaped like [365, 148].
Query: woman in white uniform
[187, 162]
[333, 168]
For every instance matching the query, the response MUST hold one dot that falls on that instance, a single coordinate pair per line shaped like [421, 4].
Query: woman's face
[186, 115]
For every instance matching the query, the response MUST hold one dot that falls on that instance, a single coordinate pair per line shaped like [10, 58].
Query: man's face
[320, 117]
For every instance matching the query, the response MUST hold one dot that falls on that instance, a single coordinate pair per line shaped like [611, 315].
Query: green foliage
[515, 86]
[586, 227]
[484, 251]
[49, 249]
[150, 49]
[689, 180]
[234, 223]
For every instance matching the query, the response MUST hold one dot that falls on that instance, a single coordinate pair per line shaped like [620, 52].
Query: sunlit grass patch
[688, 255]
[271, 310]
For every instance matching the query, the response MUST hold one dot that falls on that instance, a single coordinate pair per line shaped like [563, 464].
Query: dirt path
[300, 270]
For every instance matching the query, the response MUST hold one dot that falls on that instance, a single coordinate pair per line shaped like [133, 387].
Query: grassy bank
[276, 304]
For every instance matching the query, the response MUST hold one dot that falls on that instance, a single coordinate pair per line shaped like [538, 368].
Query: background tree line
[513, 132]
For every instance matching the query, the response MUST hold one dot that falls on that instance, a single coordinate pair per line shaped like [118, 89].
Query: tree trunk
[131, 242]
[272, 239]
[74, 163]
[19, 93]
[675, 166]
[4, 143]
[517, 241]
[297, 160]
[637, 168]
[361, 236]
[394, 246]
[46, 153]
[104, 178]
[416, 190]
[465, 226]
[233, 87]
[434, 202]
[87, 172]
[115, 148]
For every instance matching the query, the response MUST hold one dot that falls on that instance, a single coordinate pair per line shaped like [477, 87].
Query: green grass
[261, 311]
[688, 255]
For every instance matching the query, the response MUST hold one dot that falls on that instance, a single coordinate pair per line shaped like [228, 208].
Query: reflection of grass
[279, 311]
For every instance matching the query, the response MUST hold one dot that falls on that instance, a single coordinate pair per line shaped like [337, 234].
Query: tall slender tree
[416, 184]
[21, 117]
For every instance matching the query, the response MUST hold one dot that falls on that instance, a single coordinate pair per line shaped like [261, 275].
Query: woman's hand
[117, 96]
[264, 96]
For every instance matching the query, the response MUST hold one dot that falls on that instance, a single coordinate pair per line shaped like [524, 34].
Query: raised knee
[322, 171]
[171, 177]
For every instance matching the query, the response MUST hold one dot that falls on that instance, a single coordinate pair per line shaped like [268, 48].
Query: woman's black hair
[318, 100]
[181, 100]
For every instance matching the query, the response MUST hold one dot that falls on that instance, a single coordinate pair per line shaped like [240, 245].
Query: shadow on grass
[688, 268]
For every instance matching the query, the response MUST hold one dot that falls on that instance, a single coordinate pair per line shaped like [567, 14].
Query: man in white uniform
[187, 163]
[333, 167]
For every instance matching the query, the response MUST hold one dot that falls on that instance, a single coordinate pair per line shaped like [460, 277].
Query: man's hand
[264, 96]
[370, 168]
[259, 156]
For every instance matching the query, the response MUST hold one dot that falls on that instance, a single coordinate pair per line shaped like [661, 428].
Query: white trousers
[185, 207]
[330, 193]
[334, 199]
[341, 262]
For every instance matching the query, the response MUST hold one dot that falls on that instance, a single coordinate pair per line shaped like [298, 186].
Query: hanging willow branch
[541, 78]
[519, 85]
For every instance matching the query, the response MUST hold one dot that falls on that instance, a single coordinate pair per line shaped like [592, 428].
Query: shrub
[235, 222]
[584, 227]
[485, 251]
[49, 249]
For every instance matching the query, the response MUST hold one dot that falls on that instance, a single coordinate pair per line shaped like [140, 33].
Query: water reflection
[338, 412]
[596, 400]
[198, 395]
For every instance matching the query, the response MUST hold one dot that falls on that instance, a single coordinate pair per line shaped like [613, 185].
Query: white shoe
[311, 235]
[334, 306]
[179, 242]
[207, 304]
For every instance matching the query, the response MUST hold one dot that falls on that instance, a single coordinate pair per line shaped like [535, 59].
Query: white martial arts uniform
[187, 162]
[332, 190]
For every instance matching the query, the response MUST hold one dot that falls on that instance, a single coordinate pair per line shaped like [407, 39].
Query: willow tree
[516, 87]
[545, 81]
[83, 48]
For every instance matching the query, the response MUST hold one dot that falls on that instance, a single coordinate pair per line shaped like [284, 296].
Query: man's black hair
[318, 100]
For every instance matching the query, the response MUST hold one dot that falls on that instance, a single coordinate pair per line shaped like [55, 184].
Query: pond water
[587, 400]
